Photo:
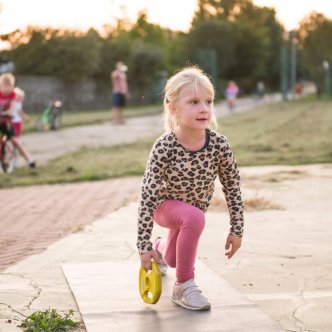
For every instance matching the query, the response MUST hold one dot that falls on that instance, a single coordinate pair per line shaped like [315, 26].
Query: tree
[51, 52]
[150, 33]
[143, 48]
[146, 64]
[315, 45]
[250, 45]
[215, 34]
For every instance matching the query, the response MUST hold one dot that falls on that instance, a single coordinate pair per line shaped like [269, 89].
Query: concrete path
[107, 296]
[284, 266]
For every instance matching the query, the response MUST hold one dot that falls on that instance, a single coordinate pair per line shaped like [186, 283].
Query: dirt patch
[254, 203]
[281, 176]
[257, 203]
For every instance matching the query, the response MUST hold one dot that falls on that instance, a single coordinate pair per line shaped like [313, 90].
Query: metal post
[207, 59]
[326, 67]
[284, 72]
[293, 62]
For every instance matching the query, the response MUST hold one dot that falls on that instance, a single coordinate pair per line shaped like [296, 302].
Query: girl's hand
[233, 243]
[146, 259]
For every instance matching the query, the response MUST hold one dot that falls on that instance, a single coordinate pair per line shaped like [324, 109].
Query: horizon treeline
[229, 39]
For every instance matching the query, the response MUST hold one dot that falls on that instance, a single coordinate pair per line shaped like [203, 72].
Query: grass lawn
[283, 134]
[82, 118]
[287, 133]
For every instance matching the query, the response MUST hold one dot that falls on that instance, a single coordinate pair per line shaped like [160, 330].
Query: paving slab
[108, 298]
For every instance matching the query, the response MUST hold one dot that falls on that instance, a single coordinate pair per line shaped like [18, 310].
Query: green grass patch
[290, 133]
[83, 118]
[87, 164]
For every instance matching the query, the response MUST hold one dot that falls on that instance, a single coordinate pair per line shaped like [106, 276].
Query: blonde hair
[7, 79]
[19, 92]
[193, 76]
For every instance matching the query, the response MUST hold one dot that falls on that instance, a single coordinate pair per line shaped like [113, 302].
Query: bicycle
[51, 117]
[7, 148]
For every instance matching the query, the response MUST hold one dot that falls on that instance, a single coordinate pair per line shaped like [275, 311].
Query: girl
[7, 105]
[178, 184]
[231, 93]
[18, 113]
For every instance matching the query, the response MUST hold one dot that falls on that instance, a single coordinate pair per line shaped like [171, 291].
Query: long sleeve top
[173, 172]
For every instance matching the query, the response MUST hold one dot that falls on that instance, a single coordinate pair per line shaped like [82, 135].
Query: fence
[86, 95]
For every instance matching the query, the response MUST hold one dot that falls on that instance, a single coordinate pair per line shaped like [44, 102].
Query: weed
[49, 321]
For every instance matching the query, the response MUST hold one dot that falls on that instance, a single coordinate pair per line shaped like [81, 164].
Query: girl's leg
[23, 152]
[185, 223]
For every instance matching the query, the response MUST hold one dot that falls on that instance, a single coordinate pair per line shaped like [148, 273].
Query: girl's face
[193, 109]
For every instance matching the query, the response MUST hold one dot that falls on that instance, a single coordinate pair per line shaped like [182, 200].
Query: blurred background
[66, 49]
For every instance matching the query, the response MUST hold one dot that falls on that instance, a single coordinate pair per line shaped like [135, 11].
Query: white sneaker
[188, 295]
[162, 264]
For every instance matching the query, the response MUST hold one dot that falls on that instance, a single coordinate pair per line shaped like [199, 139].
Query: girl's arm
[11, 107]
[230, 179]
[152, 182]
[24, 115]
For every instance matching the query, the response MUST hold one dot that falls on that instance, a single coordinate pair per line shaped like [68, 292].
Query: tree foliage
[216, 34]
[231, 39]
[246, 38]
[63, 54]
[315, 44]
[142, 48]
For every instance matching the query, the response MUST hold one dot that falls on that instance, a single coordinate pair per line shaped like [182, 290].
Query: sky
[174, 14]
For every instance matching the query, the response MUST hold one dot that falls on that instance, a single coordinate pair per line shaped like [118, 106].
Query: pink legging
[185, 223]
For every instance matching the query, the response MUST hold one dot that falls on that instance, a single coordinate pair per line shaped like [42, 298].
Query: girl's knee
[195, 221]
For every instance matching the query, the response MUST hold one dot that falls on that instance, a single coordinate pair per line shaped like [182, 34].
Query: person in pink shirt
[231, 93]
[120, 91]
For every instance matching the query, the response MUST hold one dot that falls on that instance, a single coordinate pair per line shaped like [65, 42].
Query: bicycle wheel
[8, 157]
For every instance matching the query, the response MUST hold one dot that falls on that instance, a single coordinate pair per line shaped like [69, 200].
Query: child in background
[7, 104]
[18, 113]
[231, 93]
[178, 185]
[120, 91]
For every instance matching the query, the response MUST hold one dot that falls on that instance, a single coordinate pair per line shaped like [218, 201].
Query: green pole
[293, 60]
[207, 59]
[326, 67]
[284, 72]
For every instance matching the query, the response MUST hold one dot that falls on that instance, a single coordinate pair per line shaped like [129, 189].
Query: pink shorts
[17, 129]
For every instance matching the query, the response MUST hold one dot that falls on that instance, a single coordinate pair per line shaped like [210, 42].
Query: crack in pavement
[39, 290]
[302, 302]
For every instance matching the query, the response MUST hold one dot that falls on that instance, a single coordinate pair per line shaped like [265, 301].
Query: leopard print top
[174, 172]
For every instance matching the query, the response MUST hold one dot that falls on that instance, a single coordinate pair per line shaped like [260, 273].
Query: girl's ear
[172, 108]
